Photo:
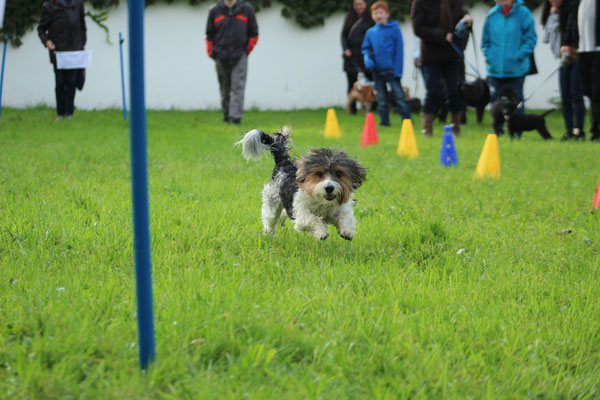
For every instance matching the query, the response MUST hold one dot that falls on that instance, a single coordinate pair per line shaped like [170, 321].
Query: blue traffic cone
[448, 155]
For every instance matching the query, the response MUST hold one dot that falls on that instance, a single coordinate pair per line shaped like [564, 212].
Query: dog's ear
[358, 173]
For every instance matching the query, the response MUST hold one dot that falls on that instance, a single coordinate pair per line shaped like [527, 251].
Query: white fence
[290, 68]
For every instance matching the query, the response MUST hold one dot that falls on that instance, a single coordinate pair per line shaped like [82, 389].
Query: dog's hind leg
[271, 207]
[543, 131]
[479, 112]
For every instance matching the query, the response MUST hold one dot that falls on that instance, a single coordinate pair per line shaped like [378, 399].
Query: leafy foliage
[23, 15]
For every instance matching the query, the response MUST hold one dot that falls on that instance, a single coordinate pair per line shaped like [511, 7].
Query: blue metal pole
[139, 178]
[121, 40]
[2, 72]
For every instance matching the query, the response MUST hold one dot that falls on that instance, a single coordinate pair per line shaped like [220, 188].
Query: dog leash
[522, 102]
[462, 55]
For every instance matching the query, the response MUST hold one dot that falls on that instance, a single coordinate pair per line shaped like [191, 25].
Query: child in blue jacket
[383, 51]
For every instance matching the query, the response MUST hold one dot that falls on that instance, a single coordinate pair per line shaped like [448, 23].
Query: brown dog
[364, 94]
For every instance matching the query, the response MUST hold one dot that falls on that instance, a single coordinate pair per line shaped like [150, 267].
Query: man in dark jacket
[62, 28]
[582, 37]
[231, 34]
[433, 22]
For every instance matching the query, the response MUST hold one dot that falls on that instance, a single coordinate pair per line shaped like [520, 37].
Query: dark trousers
[516, 83]
[66, 84]
[382, 78]
[352, 77]
[433, 75]
[589, 70]
[571, 96]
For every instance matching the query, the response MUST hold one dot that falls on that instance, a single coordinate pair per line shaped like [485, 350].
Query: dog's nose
[329, 189]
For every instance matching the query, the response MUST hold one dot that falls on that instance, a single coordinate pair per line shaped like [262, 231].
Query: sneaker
[235, 121]
[578, 134]
[59, 117]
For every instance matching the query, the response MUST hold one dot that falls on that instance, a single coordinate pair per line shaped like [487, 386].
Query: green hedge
[23, 15]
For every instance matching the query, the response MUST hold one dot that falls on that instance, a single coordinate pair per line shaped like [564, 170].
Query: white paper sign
[73, 59]
[2, 4]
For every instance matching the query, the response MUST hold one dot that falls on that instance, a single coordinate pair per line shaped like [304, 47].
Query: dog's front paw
[321, 234]
[346, 234]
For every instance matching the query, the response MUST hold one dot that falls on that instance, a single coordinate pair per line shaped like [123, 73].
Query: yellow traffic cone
[488, 165]
[407, 145]
[332, 128]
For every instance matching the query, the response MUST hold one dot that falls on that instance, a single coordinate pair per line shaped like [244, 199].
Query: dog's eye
[320, 174]
[339, 174]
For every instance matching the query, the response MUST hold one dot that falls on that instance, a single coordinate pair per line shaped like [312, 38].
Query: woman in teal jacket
[508, 40]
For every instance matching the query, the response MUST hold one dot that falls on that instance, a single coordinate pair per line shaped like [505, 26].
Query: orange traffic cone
[596, 202]
[407, 145]
[332, 128]
[369, 135]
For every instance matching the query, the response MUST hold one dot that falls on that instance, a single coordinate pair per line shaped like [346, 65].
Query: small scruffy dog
[313, 191]
[364, 94]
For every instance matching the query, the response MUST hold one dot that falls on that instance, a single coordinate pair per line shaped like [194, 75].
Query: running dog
[313, 191]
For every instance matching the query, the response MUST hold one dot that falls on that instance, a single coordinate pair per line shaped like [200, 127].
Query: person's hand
[568, 50]
[468, 20]
[347, 53]
[449, 37]
[50, 45]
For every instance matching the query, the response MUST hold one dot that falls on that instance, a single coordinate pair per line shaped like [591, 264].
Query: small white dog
[313, 191]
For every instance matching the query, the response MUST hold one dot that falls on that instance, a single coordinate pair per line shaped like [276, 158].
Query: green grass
[452, 287]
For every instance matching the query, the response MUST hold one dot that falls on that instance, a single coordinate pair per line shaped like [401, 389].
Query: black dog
[474, 94]
[505, 108]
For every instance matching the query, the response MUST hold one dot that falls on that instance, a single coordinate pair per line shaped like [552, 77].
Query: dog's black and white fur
[313, 191]
[505, 108]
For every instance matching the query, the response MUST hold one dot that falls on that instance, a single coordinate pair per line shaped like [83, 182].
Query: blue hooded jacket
[508, 41]
[383, 48]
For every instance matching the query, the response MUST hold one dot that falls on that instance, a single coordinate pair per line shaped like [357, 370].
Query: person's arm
[210, 34]
[399, 56]
[43, 26]
[570, 38]
[485, 38]
[345, 47]
[367, 49]
[83, 27]
[252, 29]
[529, 36]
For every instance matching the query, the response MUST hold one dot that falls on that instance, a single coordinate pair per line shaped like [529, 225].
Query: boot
[427, 122]
[455, 123]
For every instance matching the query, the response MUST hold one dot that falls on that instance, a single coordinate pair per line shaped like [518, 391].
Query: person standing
[383, 52]
[434, 22]
[231, 34]
[357, 21]
[582, 39]
[62, 28]
[508, 41]
[554, 21]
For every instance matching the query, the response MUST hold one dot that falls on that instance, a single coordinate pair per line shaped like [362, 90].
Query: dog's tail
[256, 142]
[548, 112]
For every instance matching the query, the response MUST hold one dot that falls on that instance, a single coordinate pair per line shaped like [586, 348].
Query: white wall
[290, 67]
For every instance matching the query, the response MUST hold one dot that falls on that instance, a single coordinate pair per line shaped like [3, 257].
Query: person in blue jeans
[554, 21]
[508, 40]
[383, 51]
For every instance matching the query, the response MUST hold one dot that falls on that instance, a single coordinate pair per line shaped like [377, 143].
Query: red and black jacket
[231, 32]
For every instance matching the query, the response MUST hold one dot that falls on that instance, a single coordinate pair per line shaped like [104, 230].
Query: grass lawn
[451, 288]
